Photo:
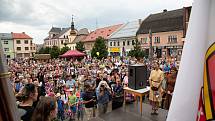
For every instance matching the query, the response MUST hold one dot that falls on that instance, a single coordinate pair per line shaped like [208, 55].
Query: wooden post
[8, 105]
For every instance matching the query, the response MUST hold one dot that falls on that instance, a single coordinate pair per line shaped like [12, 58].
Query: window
[26, 41]
[8, 56]
[118, 43]
[157, 40]
[26, 48]
[18, 42]
[145, 40]
[133, 42]
[61, 41]
[5, 42]
[114, 43]
[128, 42]
[31, 42]
[172, 39]
[6, 49]
[123, 43]
[18, 48]
[31, 48]
[34, 48]
[110, 43]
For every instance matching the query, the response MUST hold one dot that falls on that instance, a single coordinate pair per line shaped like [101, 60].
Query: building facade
[81, 36]
[167, 32]
[23, 45]
[60, 37]
[100, 32]
[121, 41]
[7, 45]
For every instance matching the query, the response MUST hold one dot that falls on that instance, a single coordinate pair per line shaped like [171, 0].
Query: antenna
[96, 23]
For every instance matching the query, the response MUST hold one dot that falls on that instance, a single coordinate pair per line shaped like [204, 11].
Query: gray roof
[55, 30]
[127, 30]
[79, 38]
[64, 30]
[163, 22]
[83, 31]
[6, 36]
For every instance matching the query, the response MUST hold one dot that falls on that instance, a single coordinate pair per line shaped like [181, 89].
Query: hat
[58, 95]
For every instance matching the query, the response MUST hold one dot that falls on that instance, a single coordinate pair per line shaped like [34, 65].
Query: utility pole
[150, 47]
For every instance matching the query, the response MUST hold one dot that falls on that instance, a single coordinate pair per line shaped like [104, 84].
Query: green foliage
[100, 47]
[54, 52]
[137, 52]
[80, 46]
[45, 50]
[64, 50]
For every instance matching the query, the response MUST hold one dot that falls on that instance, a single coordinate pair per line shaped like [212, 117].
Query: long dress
[155, 78]
[170, 88]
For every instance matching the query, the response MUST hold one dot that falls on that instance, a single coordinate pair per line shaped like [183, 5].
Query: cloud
[36, 17]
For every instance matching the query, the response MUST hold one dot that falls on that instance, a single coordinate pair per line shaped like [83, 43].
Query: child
[80, 106]
[72, 103]
[60, 107]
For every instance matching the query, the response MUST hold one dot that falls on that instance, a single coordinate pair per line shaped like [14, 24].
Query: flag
[190, 102]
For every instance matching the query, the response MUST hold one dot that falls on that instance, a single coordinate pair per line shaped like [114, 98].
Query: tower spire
[72, 24]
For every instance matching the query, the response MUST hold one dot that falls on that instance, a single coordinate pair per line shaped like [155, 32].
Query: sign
[114, 49]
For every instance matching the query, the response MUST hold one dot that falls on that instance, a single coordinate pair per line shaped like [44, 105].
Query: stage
[132, 113]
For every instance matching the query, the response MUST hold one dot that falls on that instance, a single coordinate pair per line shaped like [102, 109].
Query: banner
[193, 97]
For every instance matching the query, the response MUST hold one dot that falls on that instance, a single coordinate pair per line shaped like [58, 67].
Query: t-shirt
[28, 112]
[60, 104]
[72, 99]
[70, 83]
[88, 96]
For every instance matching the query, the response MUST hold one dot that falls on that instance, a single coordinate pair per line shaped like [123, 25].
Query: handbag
[154, 88]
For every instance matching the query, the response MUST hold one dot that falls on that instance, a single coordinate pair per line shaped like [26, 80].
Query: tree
[64, 49]
[99, 49]
[54, 52]
[44, 50]
[80, 46]
[47, 50]
[137, 52]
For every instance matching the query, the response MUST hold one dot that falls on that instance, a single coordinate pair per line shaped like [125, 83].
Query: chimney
[140, 21]
[165, 10]
[23, 32]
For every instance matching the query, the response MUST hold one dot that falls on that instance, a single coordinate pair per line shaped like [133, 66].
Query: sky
[36, 17]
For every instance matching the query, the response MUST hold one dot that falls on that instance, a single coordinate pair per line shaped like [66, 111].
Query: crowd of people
[60, 89]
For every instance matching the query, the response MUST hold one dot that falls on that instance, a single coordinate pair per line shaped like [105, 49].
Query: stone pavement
[132, 113]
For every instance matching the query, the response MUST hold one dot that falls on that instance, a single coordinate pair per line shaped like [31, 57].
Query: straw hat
[58, 95]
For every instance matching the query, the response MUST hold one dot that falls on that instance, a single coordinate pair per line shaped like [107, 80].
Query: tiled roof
[5, 36]
[55, 30]
[127, 30]
[20, 36]
[79, 38]
[103, 32]
[163, 22]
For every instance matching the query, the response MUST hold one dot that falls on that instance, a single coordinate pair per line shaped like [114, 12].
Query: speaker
[137, 78]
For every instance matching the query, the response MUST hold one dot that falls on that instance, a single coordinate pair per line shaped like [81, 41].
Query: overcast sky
[36, 17]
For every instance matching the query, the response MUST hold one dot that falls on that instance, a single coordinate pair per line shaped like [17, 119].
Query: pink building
[168, 30]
